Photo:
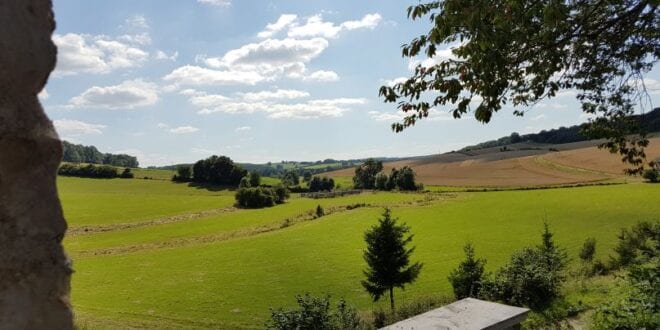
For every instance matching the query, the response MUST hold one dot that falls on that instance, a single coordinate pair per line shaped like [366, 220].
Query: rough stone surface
[34, 271]
[466, 314]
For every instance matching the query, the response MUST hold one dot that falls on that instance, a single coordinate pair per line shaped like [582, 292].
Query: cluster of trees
[217, 170]
[253, 179]
[258, 197]
[365, 174]
[93, 171]
[78, 153]
[403, 179]
[321, 184]
[315, 313]
[370, 175]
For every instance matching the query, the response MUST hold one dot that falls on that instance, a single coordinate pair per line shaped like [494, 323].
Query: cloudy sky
[173, 81]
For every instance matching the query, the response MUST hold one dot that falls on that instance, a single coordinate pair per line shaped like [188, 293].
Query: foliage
[651, 175]
[588, 250]
[321, 184]
[381, 181]
[466, 280]
[255, 179]
[77, 153]
[637, 245]
[521, 53]
[315, 313]
[533, 276]
[388, 258]
[290, 178]
[245, 182]
[258, 197]
[183, 174]
[88, 171]
[218, 170]
[408, 309]
[365, 174]
[640, 309]
[319, 211]
[126, 174]
[405, 179]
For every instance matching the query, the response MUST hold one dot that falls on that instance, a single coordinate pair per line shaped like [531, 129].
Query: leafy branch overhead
[521, 52]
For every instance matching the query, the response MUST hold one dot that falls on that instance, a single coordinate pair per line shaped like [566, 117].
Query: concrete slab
[468, 313]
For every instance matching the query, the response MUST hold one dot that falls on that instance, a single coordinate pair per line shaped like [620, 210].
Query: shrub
[319, 211]
[258, 197]
[467, 278]
[245, 183]
[381, 181]
[183, 174]
[321, 184]
[88, 171]
[314, 313]
[651, 175]
[126, 174]
[640, 309]
[637, 245]
[588, 250]
[533, 277]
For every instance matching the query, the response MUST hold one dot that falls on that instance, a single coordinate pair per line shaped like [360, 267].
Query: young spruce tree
[388, 258]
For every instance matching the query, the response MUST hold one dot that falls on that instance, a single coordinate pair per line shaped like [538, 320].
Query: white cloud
[139, 39]
[278, 94]
[75, 127]
[78, 53]
[217, 3]
[304, 110]
[243, 129]
[190, 75]
[433, 115]
[272, 57]
[184, 130]
[162, 125]
[161, 55]
[538, 117]
[323, 76]
[369, 21]
[127, 95]
[315, 26]
[136, 21]
[652, 86]
[284, 21]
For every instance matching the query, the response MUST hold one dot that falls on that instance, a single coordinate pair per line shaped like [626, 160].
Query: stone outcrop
[34, 271]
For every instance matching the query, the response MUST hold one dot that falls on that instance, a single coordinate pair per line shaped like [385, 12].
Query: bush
[588, 250]
[127, 174]
[183, 174]
[640, 309]
[314, 313]
[467, 278]
[319, 211]
[88, 171]
[533, 277]
[321, 184]
[651, 175]
[637, 245]
[258, 197]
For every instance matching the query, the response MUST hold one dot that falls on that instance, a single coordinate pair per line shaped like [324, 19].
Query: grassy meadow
[151, 253]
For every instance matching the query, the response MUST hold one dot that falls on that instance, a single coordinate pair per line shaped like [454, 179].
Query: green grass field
[164, 255]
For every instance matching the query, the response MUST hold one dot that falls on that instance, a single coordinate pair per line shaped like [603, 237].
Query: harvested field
[525, 165]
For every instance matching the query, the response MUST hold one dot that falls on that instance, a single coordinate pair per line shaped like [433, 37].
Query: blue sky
[173, 81]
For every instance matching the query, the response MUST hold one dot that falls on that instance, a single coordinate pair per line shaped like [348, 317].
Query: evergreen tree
[388, 258]
[467, 278]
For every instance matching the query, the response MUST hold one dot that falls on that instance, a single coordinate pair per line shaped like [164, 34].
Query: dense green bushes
[88, 171]
[315, 313]
[321, 184]
[218, 170]
[370, 175]
[258, 197]
[77, 153]
[468, 277]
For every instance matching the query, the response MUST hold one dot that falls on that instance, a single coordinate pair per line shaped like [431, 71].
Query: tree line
[94, 171]
[370, 175]
[78, 153]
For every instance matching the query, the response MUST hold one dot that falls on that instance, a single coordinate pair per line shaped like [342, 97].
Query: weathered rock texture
[34, 271]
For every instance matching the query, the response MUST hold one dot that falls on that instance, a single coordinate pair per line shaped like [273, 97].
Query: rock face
[34, 271]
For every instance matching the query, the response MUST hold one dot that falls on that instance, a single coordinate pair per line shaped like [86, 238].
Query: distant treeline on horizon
[78, 153]
[648, 123]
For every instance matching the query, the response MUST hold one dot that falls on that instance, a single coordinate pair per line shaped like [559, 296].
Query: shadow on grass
[208, 186]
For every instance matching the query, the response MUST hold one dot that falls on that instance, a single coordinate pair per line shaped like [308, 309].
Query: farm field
[155, 254]
[523, 165]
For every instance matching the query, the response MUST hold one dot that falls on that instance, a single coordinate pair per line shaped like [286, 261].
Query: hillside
[520, 164]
